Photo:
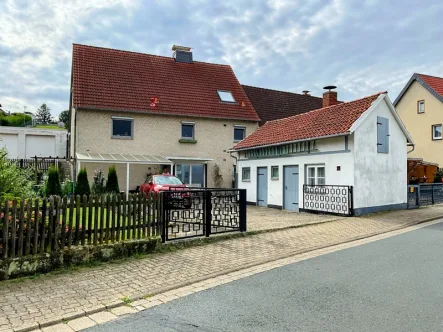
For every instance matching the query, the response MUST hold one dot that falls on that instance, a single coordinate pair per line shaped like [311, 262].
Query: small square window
[226, 96]
[239, 133]
[246, 174]
[437, 132]
[421, 106]
[188, 130]
[316, 175]
[274, 172]
[122, 127]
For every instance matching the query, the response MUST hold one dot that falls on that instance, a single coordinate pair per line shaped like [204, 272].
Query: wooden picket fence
[55, 223]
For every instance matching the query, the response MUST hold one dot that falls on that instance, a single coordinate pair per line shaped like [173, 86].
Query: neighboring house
[272, 104]
[142, 112]
[361, 143]
[25, 143]
[420, 106]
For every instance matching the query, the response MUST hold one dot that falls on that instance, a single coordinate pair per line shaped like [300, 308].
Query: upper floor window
[436, 132]
[226, 96]
[382, 135]
[239, 133]
[316, 175]
[188, 131]
[421, 106]
[122, 127]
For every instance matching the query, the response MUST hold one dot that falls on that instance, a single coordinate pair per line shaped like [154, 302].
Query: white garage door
[40, 146]
[10, 141]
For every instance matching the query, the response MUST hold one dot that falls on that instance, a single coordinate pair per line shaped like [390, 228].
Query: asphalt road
[395, 284]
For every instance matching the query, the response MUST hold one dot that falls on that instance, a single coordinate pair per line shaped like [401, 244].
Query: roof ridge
[148, 54]
[289, 92]
[319, 109]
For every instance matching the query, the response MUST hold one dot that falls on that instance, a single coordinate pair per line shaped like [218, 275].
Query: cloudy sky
[362, 46]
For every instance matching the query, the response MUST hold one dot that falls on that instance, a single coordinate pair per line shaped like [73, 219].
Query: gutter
[290, 142]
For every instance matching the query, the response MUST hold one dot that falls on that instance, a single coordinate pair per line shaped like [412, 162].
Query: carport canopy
[121, 159]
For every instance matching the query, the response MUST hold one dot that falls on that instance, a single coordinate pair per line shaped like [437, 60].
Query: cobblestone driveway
[27, 303]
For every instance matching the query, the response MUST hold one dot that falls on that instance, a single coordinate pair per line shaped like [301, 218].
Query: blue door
[262, 186]
[290, 188]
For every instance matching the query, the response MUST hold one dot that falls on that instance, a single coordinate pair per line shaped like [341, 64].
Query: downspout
[413, 147]
[236, 169]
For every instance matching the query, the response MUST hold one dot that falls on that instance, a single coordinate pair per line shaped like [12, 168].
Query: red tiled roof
[327, 121]
[126, 81]
[436, 83]
[272, 104]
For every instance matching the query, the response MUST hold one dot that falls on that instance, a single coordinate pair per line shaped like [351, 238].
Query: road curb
[117, 304]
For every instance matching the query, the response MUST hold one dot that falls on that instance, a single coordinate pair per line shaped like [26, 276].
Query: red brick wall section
[329, 98]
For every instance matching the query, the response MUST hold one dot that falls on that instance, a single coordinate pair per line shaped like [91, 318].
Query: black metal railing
[202, 212]
[424, 194]
[329, 199]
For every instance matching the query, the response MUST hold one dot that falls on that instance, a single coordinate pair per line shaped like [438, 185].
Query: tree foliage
[14, 181]
[438, 176]
[112, 183]
[82, 186]
[98, 185]
[64, 117]
[53, 186]
[43, 114]
[14, 120]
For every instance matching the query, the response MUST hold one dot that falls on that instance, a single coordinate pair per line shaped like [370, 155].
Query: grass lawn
[51, 127]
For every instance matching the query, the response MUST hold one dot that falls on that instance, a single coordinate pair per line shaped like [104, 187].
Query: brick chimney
[330, 97]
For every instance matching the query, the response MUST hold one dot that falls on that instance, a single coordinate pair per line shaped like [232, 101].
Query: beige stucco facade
[158, 135]
[420, 125]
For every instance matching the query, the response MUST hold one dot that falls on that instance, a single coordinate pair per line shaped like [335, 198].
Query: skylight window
[226, 96]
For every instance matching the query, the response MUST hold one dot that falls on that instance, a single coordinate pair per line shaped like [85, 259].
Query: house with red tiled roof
[420, 106]
[143, 112]
[347, 158]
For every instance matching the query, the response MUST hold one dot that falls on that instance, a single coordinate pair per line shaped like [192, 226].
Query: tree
[64, 117]
[112, 183]
[82, 186]
[43, 114]
[53, 186]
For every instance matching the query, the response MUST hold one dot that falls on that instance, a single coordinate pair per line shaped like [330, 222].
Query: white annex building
[348, 158]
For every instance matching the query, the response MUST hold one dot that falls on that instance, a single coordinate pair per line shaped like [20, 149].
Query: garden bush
[82, 187]
[67, 188]
[53, 186]
[112, 183]
[14, 181]
[14, 120]
[98, 185]
[438, 176]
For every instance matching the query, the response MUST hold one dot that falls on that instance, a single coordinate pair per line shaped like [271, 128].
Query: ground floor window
[316, 175]
[191, 174]
[246, 174]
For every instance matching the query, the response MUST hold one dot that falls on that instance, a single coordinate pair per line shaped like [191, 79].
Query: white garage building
[348, 159]
[25, 143]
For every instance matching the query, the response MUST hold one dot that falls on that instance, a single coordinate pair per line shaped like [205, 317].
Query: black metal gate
[424, 194]
[202, 212]
[328, 199]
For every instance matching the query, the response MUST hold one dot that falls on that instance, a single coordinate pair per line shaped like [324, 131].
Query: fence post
[163, 219]
[351, 200]
[432, 191]
[242, 210]
[208, 212]
[418, 196]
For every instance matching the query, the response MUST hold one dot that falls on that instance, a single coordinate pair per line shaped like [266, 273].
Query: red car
[158, 183]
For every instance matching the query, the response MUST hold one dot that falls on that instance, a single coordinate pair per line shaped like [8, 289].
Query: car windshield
[167, 180]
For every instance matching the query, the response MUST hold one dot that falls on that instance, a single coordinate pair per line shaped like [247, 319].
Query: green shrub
[438, 176]
[67, 188]
[14, 181]
[14, 120]
[112, 183]
[82, 186]
[53, 186]
[98, 185]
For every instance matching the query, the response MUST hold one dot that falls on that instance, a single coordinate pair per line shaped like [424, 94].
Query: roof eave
[416, 77]
[290, 142]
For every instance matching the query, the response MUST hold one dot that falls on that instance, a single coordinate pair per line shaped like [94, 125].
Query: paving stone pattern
[48, 299]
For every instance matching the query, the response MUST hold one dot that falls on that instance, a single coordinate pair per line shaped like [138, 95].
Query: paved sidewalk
[52, 298]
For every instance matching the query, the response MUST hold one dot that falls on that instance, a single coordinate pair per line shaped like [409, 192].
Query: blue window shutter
[382, 135]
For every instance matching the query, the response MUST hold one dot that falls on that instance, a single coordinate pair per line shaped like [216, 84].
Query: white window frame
[278, 172]
[317, 180]
[435, 138]
[233, 101]
[124, 119]
[419, 109]
[243, 174]
[244, 133]
[193, 130]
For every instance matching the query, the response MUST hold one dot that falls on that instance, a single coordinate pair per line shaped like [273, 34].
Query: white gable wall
[380, 179]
